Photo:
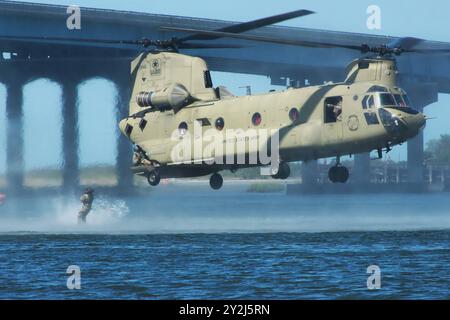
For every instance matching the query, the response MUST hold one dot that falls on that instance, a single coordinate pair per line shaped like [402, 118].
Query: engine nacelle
[175, 97]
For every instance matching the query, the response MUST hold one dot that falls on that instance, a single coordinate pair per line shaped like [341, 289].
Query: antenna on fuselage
[248, 89]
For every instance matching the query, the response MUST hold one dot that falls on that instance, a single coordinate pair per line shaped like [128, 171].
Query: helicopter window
[371, 118]
[363, 65]
[387, 99]
[204, 122]
[377, 89]
[293, 114]
[399, 100]
[142, 124]
[208, 80]
[364, 102]
[371, 102]
[183, 128]
[368, 102]
[220, 124]
[128, 130]
[407, 101]
[256, 119]
[333, 109]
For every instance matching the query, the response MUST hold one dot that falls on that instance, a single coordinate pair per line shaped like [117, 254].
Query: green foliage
[438, 151]
[255, 173]
[248, 173]
[268, 187]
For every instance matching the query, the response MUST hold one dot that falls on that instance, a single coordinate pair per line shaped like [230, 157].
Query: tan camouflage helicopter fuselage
[173, 92]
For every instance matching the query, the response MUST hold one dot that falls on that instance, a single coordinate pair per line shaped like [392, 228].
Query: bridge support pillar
[421, 95]
[416, 166]
[361, 174]
[71, 176]
[124, 147]
[15, 141]
[310, 173]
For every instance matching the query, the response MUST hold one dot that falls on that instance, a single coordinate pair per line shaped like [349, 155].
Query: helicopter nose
[414, 123]
[402, 123]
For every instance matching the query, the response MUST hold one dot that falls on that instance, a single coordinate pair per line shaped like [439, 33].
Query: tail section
[168, 80]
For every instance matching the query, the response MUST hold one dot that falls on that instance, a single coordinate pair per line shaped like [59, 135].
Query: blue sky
[399, 18]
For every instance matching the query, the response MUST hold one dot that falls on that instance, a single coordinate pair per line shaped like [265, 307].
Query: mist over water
[185, 241]
[193, 208]
[59, 215]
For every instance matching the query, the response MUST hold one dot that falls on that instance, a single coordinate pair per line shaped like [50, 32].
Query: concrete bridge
[423, 76]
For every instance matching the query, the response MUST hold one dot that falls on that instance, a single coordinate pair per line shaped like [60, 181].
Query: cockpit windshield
[400, 101]
[407, 101]
[387, 99]
[384, 99]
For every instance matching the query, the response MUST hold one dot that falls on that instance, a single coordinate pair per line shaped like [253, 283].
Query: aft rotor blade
[430, 51]
[405, 43]
[293, 42]
[207, 46]
[247, 26]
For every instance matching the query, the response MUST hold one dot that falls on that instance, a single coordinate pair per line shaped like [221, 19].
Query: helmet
[88, 190]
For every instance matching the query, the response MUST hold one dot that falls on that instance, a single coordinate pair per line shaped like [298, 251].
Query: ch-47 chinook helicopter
[173, 94]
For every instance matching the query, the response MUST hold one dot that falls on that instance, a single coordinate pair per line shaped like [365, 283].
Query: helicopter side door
[333, 113]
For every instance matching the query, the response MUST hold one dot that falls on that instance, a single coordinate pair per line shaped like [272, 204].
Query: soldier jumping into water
[86, 205]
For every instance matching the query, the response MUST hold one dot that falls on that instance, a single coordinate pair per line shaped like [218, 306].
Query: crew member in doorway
[86, 205]
[139, 157]
[338, 110]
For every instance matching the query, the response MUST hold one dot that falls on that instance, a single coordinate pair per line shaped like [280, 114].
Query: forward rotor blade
[221, 34]
[75, 40]
[247, 26]
[143, 42]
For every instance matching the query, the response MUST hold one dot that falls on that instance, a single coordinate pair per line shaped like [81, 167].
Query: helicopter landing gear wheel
[284, 171]
[216, 181]
[338, 174]
[154, 178]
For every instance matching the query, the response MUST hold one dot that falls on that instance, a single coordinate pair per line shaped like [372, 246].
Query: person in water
[86, 205]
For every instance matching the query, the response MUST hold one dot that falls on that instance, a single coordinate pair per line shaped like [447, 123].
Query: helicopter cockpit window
[368, 102]
[387, 99]
[371, 102]
[399, 100]
[208, 79]
[333, 109]
[364, 102]
[377, 89]
[407, 101]
[364, 65]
